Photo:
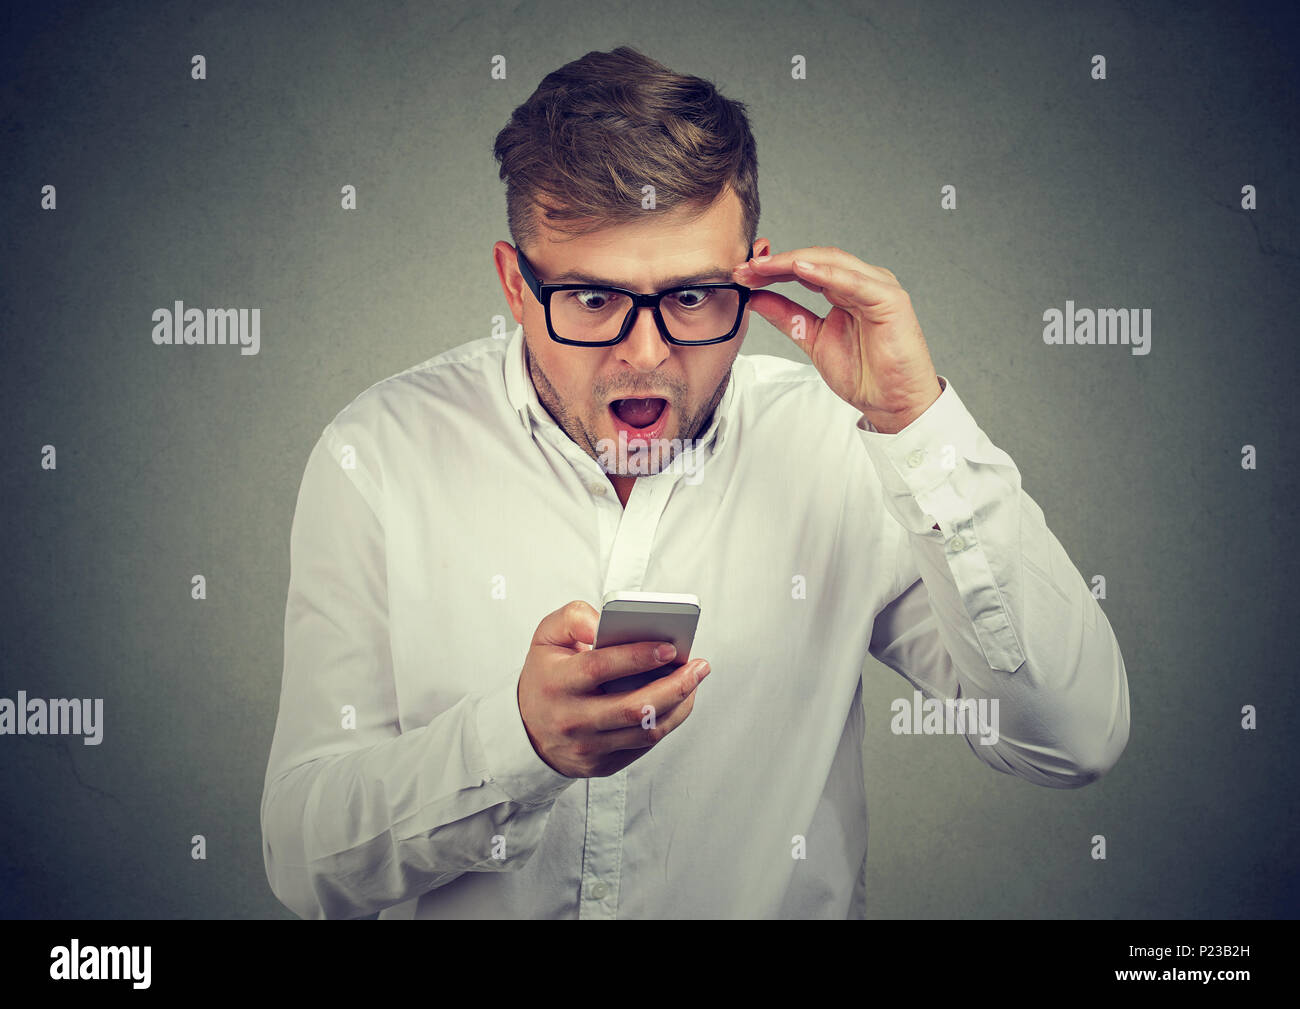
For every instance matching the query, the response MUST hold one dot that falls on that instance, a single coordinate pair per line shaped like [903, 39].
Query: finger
[637, 738]
[828, 255]
[783, 275]
[848, 289]
[599, 665]
[662, 696]
[571, 625]
[800, 324]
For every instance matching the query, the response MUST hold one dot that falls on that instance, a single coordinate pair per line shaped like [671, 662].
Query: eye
[592, 299]
[692, 298]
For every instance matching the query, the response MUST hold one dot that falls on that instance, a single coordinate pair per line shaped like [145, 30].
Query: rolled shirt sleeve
[990, 605]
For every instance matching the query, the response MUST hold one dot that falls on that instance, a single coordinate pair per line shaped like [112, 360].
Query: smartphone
[627, 617]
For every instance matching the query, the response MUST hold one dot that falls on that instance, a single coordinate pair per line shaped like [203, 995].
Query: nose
[644, 348]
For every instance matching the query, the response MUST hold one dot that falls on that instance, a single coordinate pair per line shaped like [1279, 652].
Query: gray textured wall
[171, 461]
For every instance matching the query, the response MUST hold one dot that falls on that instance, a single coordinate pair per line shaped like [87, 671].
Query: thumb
[791, 318]
[572, 625]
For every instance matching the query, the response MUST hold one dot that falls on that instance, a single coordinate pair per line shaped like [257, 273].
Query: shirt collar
[523, 397]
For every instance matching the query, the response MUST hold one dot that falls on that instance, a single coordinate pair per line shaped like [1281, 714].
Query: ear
[512, 281]
[762, 247]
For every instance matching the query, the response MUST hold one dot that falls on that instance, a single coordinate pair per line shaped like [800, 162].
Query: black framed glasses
[583, 315]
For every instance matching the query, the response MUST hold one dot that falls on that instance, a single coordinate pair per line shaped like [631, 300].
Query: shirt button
[598, 489]
[957, 543]
[916, 457]
[599, 891]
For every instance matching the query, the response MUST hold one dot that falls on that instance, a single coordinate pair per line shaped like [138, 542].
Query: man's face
[583, 387]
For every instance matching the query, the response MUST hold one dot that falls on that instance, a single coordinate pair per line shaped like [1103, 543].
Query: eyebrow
[715, 275]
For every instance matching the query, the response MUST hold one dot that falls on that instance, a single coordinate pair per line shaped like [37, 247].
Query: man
[444, 747]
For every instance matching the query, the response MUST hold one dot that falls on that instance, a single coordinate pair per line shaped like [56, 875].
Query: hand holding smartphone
[570, 729]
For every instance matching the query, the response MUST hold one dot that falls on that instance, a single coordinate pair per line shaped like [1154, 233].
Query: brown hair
[601, 127]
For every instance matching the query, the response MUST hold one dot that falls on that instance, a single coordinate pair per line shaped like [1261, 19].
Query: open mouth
[639, 414]
[640, 422]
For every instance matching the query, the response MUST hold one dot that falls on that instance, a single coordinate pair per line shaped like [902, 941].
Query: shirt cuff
[512, 762]
[919, 460]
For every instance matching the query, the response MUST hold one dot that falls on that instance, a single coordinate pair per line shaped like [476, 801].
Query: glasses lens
[700, 313]
[692, 315]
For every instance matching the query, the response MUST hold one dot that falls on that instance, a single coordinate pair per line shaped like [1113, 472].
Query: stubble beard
[585, 439]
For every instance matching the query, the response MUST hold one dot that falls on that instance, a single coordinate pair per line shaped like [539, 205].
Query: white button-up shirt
[443, 513]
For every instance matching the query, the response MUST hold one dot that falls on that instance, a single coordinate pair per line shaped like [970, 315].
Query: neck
[622, 487]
